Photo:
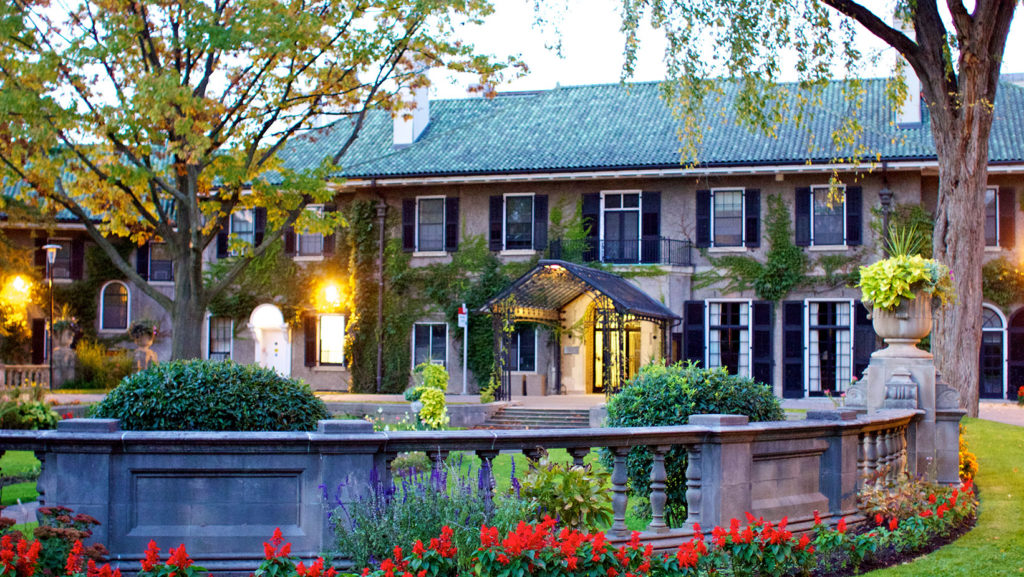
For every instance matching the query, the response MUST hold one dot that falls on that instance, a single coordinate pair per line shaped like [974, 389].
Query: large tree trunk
[189, 309]
[961, 123]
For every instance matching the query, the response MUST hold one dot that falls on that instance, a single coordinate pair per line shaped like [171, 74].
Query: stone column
[839, 474]
[726, 463]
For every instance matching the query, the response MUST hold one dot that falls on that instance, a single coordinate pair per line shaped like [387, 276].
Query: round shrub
[211, 396]
[665, 396]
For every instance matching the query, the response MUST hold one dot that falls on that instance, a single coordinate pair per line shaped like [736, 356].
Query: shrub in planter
[575, 496]
[662, 395]
[211, 396]
[26, 408]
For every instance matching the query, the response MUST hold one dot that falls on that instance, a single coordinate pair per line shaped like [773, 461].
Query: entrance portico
[604, 327]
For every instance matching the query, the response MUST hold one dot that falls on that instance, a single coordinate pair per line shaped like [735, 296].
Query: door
[273, 351]
[990, 374]
[614, 362]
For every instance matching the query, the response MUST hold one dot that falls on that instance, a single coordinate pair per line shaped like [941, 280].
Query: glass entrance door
[614, 362]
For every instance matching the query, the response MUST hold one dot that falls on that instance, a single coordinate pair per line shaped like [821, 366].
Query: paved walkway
[1008, 412]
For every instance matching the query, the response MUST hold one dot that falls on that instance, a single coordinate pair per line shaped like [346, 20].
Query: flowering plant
[1020, 396]
[886, 283]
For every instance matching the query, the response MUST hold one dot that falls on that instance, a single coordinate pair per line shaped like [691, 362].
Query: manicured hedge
[667, 395]
[211, 396]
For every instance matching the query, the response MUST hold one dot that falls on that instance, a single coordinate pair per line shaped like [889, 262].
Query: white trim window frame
[249, 236]
[994, 191]
[844, 350]
[441, 226]
[166, 271]
[621, 253]
[333, 354]
[824, 189]
[713, 327]
[431, 335]
[221, 355]
[517, 357]
[740, 217]
[61, 267]
[127, 306]
[314, 240]
[506, 242]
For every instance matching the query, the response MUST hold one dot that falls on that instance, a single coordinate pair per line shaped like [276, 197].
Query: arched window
[114, 306]
[993, 351]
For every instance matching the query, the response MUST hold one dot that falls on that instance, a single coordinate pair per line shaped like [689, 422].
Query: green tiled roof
[614, 126]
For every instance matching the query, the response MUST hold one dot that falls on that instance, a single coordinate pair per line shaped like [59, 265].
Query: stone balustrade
[24, 375]
[222, 494]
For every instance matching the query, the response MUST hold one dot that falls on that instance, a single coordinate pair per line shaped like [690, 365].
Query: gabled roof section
[553, 284]
[626, 126]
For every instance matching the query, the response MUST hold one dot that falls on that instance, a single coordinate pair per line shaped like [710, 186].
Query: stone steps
[532, 418]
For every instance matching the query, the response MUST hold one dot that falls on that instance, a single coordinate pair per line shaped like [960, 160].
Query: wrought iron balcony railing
[646, 250]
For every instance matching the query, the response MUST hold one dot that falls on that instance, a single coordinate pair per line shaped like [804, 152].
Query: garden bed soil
[888, 557]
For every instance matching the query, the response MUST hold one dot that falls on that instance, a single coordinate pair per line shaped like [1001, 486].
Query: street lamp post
[885, 199]
[382, 213]
[51, 256]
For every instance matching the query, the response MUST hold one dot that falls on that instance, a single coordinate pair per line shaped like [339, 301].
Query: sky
[592, 47]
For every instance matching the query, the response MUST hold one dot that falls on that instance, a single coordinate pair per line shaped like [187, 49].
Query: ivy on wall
[1002, 283]
[272, 277]
[785, 266]
[83, 296]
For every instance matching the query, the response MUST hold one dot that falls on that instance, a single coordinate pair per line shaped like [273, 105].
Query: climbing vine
[785, 266]
[1002, 283]
[82, 296]
[272, 277]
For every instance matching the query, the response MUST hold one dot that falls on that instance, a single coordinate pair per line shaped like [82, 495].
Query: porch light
[330, 294]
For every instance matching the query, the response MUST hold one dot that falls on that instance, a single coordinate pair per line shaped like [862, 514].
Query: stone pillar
[79, 476]
[725, 469]
[346, 475]
[839, 474]
[65, 360]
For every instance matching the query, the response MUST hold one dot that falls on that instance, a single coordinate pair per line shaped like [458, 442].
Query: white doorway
[272, 337]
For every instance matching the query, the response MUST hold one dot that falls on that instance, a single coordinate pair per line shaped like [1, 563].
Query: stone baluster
[620, 478]
[486, 480]
[894, 457]
[659, 481]
[902, 445]
[437, 459]
[533, 455]
[882, 469]
[578, 453]
[389, 474]
[870, 456]
[693, 491]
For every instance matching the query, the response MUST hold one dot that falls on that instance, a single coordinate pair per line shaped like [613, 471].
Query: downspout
[382, 211]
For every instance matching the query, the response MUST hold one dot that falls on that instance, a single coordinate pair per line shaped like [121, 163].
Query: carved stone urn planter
[65, 359]
[903, 328]
[144, 357]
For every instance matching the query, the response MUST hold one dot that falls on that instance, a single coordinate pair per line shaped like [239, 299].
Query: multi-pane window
[523, 352]
[311, 243]
[621, 227]
[114, 306]
[991, 217]
[430, 224]
[518, 222]
[992, 354]
[243, 226]
[161, 262]
[61, 267]
[220, 329]
[828, 217]
[727, 217]
[430, 343]
[830, 347]
[729, 336]
[332, 339]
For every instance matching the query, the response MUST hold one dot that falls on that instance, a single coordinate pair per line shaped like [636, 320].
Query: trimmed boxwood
[201, 395]
[666, 396]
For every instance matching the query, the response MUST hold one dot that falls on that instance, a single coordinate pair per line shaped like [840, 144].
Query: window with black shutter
[310, 243]
[309, 339]
[38, 336]
[793, 349]
[540, 222]
[591, 212]
[693, 331]
[752, 218]
[451, 224]
[762, 359]
[77, 266]
[864, 339]
[650, 227]
[430, 343]
[409, 224]
[703, 218]
[523, 353]
[161, 262]
[802, 216]
[496, 220]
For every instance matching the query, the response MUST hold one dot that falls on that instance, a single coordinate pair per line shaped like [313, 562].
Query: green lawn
[16, 464]
[996, 546]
